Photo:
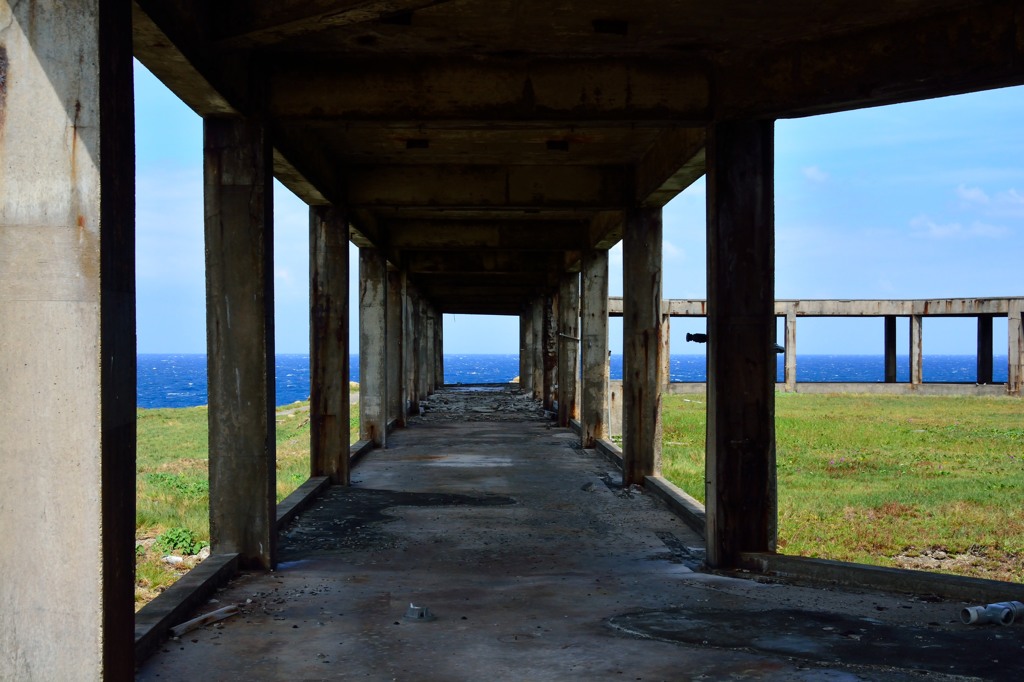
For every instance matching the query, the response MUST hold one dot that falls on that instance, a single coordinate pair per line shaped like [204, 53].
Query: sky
[917, 200]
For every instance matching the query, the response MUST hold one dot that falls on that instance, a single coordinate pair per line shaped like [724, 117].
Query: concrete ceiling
[482, 145]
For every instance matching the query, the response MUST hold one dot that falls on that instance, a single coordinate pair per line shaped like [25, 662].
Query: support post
[422, 349]
[741, 476]
[1015, 350]
[410, 345]
[568, 345]
[373, 364]
[984, 349]
[439, 350]
[594, 346]
[538, 348]
[526, 350]
[240, 339]
[430, 359]
[328, 344]
[549, 350]
[664, 355]
[396, 399]
[641, 345]
[67, 341]
[890, 349]
[790, 350]
[916, 351]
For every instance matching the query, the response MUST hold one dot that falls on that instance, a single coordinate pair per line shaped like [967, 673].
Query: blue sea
[180, 380]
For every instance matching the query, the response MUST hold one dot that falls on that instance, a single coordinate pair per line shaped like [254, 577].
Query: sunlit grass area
[173, 490]
[907, 481]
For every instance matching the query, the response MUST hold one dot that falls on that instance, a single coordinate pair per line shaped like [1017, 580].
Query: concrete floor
[537, 565]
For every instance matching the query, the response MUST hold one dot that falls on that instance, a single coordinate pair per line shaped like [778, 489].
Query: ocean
[180, 380]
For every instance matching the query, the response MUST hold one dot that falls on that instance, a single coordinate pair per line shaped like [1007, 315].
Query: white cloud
[671, 252]
[974, 195]
[924, 226]
[815, 174]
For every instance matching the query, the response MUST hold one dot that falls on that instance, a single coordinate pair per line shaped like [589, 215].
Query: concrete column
[328, 344]
[984, 349]
[568, 346]
[916, 352]
[1015, 334]
[664, 354]
[549, 350]
[641, 345]
[741, 476]
[430, 359]
[538, 348]
[396, 399]
[594, 346]
[526, 351]
[67, 341]
[373, 356]
[409, 348]
[790, 352]
[422, 348]
[890, 349]
[240, 339]
[439, 350]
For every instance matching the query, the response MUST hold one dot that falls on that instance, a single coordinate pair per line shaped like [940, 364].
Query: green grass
[885, 480]
[172, 482]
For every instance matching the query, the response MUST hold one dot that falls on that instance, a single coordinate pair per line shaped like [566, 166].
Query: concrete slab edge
[610, 451]
[978, 590]
[300, 499]
[180, 600]
[576, 426]
[682, 505]
[357, 450]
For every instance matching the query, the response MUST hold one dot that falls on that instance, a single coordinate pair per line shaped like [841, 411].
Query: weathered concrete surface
[373, 356]
[238, 200]
[539, 566]
[67, 340]
[594, 346]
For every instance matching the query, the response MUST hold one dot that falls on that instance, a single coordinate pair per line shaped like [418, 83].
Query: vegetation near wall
[906, 481]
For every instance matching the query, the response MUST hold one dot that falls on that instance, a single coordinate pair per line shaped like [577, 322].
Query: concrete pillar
[594, 346]
[538, 348]
[890, 349]
[410, 349]
[568, 346]
[373, 356]
[790, 352]
[67, 341]
[741, 477]
[439, 350]
[240, 339]
[422, 348]
[328, 344]
[396, 399]
[526, 351]
[664, 354]
[430, 359]
[641, 345]
[916, 352]
[1015, 359]
[549, 350]
[984, 349]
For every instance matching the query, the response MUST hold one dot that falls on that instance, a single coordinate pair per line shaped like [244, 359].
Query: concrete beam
[674, 162]
[481, 262]
[641, 346]
[480, 236]
[611, 89]
[373, 355]
[568, 347]
[486, 187]
[67, 341]
[740, 459]
[245, 25]
[240, 339]
[594, 347]
[328, 344]
[931, 307]
[976, 47]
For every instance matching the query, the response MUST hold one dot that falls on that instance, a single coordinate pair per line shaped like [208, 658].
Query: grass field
[907, 481]
[172, 485]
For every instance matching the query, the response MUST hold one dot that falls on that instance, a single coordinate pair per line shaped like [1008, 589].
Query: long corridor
[533, 563]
